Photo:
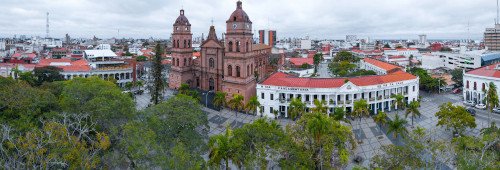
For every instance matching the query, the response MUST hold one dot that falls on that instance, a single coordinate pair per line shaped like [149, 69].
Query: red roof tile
[300, 61]
[381, 64]
[487, 71]
[71, 66]
[282, 79]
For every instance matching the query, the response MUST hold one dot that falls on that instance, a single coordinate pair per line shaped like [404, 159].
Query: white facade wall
[377, 96]
[476, 94]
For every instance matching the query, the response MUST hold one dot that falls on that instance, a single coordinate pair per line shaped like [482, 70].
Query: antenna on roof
[496, 21]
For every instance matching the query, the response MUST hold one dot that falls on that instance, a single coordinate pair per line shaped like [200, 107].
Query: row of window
[175, 62]
[238, 44]
[475, 86]
[187, 44]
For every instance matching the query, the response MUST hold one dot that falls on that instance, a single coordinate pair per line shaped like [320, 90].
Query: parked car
[457, 90]
[496, 110]
[481, 106]
[471, 111]
[469, 103]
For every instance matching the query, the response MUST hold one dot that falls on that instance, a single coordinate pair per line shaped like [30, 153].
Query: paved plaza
[368, 134]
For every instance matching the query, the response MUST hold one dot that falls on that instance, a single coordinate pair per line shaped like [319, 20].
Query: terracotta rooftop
[66, 64]
[300, 61]
[381, 64]
[286, 80]
[486, 71]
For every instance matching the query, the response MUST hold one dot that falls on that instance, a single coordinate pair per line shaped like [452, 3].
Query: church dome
[182, 20]
[239, 15]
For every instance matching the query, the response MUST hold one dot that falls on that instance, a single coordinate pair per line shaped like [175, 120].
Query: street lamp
[206, 97]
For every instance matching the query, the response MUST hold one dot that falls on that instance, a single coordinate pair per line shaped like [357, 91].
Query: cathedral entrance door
[211, 84]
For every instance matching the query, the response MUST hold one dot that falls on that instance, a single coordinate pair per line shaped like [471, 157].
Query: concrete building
[492, 38]
[305, 44]
[277, 91]
[267, 37]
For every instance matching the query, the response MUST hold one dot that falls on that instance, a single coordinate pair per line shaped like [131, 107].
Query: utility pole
[47, 26]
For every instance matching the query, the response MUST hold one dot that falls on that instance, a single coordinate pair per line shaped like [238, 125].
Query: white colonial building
[277, 91]
[102, 63]
[476, 82]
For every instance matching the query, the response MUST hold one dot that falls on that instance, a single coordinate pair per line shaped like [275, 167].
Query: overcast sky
[378, 19]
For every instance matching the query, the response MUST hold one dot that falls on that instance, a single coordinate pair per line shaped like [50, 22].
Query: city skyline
[320, 19]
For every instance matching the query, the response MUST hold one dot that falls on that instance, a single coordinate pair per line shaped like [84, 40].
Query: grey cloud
[291, 18]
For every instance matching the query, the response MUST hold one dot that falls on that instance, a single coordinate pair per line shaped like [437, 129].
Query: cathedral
[233, 65]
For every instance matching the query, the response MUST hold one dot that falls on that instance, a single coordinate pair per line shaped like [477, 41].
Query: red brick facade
[232, 66]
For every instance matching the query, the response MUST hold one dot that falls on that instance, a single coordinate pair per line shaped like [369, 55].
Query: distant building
[267, 37]
[492, 38]
[305, 44]
[422, 39]
[351, 38]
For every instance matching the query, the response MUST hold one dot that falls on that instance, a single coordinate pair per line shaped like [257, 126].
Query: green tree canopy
[455, 117]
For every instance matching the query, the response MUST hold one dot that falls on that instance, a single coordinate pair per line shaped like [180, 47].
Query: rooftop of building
[380, 64]
[492, 70]
[99, 53]
[66, 64]
[261, 47]
[300, 61]
[286, 80]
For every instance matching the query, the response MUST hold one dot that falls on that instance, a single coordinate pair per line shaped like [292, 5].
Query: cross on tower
[212, 21]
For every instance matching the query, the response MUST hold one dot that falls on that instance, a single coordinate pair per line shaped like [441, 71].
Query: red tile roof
[300, 61]
[381, 64]
[19, 55]
[396, 57]
[197, 54]
[71, 66]
[286, 80]
[486, 71]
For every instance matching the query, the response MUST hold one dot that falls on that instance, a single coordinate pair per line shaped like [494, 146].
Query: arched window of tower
[185, 61]
[247, 47]
[237, 46]
[237, 71]
[185, 43]
[230, 70]
[230, 48]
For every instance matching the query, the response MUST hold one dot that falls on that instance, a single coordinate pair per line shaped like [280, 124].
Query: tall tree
[360, 110]
[221, 149]
[236, 103]
[317, 141]
[491, 98]
[296, 108]
[397, 126]
[252, 105]
[320, 106]
[381, 118]
[412, 110]
[316, 60]
[399, 102]
[220, 99]
[457, 75]
[455, 117]
[47, 74]
[156, 73]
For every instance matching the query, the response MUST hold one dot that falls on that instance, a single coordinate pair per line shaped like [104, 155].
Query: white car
[481, 106]
[496, 110]
[469, 103]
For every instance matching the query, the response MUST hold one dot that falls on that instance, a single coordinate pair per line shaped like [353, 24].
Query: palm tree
[399, 102]
[360, 110]
[129, 85]
[320, 106]
[236, 103]
[252, 105]
[296, 108]
[220, 99]
[381, 118]
[220, 148]
[319, 125]
[184, 89]
[491, 98]
[413, 110]
[397, 126]
[139, 84]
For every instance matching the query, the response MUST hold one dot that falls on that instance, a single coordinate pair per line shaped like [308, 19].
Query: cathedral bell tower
[182, 53]
[238, 61]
